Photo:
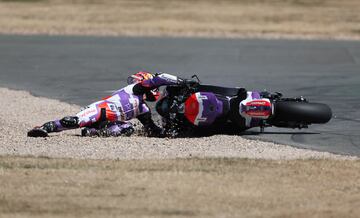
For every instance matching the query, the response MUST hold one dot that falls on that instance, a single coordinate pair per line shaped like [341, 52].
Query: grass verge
[210, 18]
[41, 187]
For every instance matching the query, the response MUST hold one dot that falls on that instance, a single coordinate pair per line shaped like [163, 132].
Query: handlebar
[190, 83]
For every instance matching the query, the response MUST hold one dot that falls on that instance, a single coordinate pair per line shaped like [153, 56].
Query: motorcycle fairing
[202, 108]
[254, 109]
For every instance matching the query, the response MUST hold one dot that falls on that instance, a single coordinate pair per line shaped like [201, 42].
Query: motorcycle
[191, 106]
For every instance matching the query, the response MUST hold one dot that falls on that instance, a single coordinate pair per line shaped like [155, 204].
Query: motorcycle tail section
[254, 109]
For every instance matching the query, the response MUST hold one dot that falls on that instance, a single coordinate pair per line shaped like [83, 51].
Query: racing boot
[54, 126]
[42, 131]
[89, 132]
[111, 129]
[116, 129]
[150, 128]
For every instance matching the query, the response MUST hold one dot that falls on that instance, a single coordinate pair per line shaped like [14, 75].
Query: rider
[109, 116]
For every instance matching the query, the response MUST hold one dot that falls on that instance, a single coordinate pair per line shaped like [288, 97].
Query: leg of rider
[91, 116]
[116, 128]
[95, 114]
[103, 124]
[120, 128]
[85, 117]
[69, 122]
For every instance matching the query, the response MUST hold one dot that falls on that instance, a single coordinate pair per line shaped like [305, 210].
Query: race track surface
[84, 69]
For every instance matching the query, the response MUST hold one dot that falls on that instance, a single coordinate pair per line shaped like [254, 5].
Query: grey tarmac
[81, 70]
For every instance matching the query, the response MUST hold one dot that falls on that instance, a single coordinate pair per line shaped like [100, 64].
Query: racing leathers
[110, 116]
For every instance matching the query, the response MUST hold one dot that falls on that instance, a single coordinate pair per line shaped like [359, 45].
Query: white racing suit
[110, 116]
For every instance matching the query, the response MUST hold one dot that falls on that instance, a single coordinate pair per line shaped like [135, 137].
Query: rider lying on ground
[110, 116]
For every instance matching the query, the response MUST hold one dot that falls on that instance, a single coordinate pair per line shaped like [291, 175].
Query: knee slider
[70, 122]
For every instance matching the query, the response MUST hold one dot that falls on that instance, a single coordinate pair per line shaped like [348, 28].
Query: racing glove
[151, 129]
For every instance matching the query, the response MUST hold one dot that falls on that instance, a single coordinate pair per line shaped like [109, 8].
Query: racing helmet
[138, 77]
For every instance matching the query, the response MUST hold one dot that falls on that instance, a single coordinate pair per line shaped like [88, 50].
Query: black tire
[290, 111]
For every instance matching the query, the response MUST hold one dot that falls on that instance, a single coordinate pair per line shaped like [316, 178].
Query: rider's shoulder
[129, 88]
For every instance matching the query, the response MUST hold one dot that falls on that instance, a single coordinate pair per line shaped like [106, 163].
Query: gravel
[21, 111]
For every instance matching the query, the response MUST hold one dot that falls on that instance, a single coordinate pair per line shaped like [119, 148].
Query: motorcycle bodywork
[202, 108]
[183, 107]
[254, 109]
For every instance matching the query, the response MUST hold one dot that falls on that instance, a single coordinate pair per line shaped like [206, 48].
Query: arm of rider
[162, 79]
[150, 127]
[168, 79]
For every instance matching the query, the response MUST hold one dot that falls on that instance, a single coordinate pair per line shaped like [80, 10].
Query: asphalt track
[83, 69]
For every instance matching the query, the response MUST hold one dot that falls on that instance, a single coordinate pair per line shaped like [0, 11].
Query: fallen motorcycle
[190, 105]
